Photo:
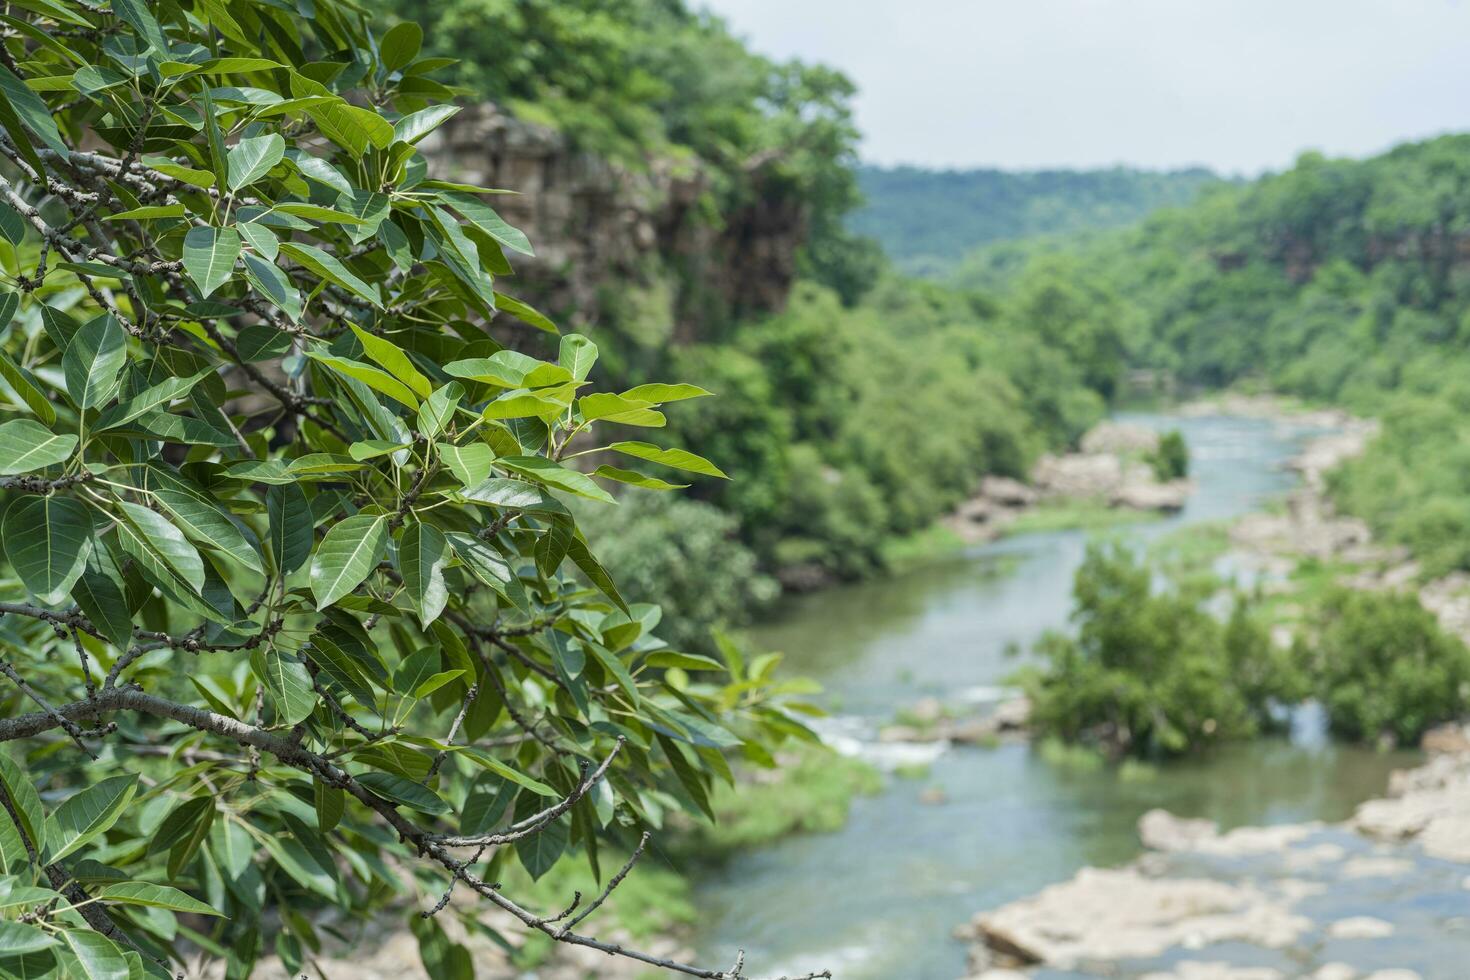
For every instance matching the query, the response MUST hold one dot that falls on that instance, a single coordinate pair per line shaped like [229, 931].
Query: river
[878, 900]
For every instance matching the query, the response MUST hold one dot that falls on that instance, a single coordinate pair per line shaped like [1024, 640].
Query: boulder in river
[1118, 914]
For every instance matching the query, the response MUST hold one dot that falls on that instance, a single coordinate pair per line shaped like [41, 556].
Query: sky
[1242, 86]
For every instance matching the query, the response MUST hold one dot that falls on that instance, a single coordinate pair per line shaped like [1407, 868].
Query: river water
[878, 900]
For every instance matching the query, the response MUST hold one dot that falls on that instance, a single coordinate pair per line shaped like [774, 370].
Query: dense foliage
[1385, 669]
[295, 613]
[836, 410]
[1154, 672]
[928, 219]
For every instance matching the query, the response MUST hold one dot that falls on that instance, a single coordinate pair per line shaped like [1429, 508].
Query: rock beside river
[1122, 914]
[1380, 897]
[1109, 469]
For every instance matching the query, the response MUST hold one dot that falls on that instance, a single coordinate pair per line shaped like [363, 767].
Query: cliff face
[616, 244]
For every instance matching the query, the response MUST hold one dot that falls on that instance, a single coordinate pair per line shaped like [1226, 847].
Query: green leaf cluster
[291, 587]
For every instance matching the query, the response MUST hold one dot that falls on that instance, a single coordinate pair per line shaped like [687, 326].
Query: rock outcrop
[594, 222]
[1109, 469]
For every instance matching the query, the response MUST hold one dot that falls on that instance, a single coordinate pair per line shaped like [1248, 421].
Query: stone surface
[593, 222]
[1119, 438]
[1108, 915]
[1430, 804]
[1360, 927]
[1195, 970]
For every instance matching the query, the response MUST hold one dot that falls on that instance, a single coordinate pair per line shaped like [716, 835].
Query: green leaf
[26, 802]
[433, 682]
[252, 157]
[195, 178]
[634, 478]
[150, 213]
[27, 446]
[15, 895]
[396, 789]
[314, 259]
[47, 540]
[100, 595]
[135, 13]
[486, 801]
[543, 470]
[509, 369]
[154, 896]
[268, 280]
[660, 393]
[482, 216]
[291, 526]
[97, 957]
[539, 852]
[207, 525]
[392, 358]
[265, 242]
[315, 212]
[596, 574]
[12, 226]
[505, 771]
[329, 802]
[577, 355]
[437, 410]
[149, 537]
[351, 127]
[416, 125]
[400, 45]
[24, 385]
[679, 459]
[31, 110]
[18, 938]
[346, 556]
[83, 817]
[616, 408]
[339, 665]
[94, 360]
[375, 378]
[287, 682]
[209, 257]
[525, 312]
[423, 553]
[470, 464]
[684, 661]
[163, 393]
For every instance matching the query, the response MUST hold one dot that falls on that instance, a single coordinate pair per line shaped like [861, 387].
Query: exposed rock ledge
[1108, 468]
[1380, 897]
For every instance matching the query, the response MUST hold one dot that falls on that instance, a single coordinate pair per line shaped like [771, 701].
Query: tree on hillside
[293, 613]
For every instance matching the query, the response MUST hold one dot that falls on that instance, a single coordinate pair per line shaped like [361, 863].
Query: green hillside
[1341, 281]
[927, 219]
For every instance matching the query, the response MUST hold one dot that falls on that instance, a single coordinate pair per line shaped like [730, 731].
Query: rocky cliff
[649, 250]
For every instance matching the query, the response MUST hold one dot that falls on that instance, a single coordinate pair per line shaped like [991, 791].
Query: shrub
[1384, 667]
[289, 618]
[1170, 459]
[1152, 673]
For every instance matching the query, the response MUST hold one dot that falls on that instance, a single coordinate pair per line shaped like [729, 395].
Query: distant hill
[926, 220]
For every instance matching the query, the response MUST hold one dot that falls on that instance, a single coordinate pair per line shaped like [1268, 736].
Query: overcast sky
[1239, 85]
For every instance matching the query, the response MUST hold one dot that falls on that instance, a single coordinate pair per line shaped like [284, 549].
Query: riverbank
[1374, 897]
[1109, 480]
